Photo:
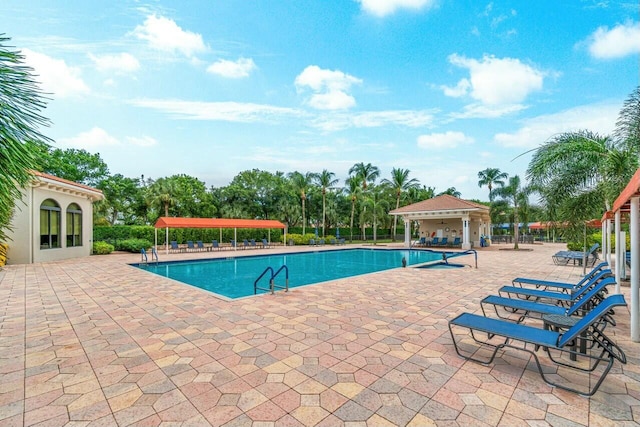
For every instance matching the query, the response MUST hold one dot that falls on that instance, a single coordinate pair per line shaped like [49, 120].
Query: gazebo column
[466, 242]
[407, 233]
[635, 269]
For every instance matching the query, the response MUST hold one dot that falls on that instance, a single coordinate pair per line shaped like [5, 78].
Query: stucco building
[53, 221]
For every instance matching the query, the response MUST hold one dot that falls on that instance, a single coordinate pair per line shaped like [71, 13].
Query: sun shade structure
[627, 208]
[172, 222]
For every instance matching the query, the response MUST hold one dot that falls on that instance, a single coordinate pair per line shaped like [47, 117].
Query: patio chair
[422, 241]
[200, 246]
[215, 245]
[524, 307]
[509, 333]
[457, 241]
[342, 241]
[564, 257]
[175, 247]
[233, 243]
[538, 283]
[252, 243]
[265, 243]
[245, 244]
[312, 242]
[321, 242]
[435, 241]
[560, 297]
[190, 246]
[444, 241]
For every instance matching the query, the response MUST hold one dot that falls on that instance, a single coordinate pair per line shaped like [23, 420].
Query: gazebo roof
[444, 202]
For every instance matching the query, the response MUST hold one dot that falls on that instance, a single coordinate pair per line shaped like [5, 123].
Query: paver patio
[95, 342]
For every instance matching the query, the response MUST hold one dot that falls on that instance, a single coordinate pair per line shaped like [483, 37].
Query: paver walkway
[95, 342]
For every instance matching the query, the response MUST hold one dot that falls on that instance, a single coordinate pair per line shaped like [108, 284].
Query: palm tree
[628, 124]
[163, 192]
[325, 180]
[400, 182]
[354, 189]
[301, 184]
[378, 206]
[491, 177]
[582, 164]
[20, 104]
[452, 192]
[517, 196]
[367, 173]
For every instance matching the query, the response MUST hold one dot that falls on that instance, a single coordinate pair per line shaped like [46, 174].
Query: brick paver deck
[95, 342]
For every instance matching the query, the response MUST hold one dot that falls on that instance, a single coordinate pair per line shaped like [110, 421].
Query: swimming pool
[234, 277]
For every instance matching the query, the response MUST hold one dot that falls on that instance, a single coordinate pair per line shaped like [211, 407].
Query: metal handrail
[470, 251]
[255, 284]
[286, 286]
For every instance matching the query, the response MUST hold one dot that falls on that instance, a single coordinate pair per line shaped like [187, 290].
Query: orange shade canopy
[171, 222]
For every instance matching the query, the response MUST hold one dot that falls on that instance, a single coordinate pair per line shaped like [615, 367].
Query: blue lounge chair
[190, 246]
[524, 308]
[563, 296]
[434, 242]
[521, 281]
[456, 242]
[332, 241]
[233, 243]
[549, 340]
[564, 257]
[245, 244]
[175, 247]
[200, 246]
[312, 242]
[215, 245]
[444, 241]
[422, 241]
[252, 243]
[341, 241]
[265, 243]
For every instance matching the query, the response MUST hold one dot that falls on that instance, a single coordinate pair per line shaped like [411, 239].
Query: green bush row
[597, 238]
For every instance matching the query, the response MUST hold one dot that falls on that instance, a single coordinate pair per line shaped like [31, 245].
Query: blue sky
[441, 87]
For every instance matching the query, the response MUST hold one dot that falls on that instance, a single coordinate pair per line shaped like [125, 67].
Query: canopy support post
[620, 248]
[166, 241]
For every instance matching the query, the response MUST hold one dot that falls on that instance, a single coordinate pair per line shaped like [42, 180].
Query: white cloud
[621, 41]
[496, 81]
[119, 63]
[599, 118]
[382, 8]
[372, 119]
[55, 75]
[480, 111]
[219, 111]
[232, 69]
[141, 141]
[94, 138]
[447, 140]
[165, 35]
[329, 88]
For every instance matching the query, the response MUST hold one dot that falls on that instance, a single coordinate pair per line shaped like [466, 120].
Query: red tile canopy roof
[171, 222]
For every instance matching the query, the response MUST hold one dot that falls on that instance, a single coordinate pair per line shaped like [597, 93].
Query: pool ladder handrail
[467, 252]
[272, 285]
[154, 255]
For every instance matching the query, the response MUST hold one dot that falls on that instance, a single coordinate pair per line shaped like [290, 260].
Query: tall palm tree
[378, 206]
[20, 104]
[491, 177]
[367, 173]
[400, 183]
[325, 180]
[354, 189]
[301, 184]
[517, 196]
[628, 124]
[163, 192]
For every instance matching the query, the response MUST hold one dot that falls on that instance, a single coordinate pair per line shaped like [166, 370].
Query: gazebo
[172, 222]
[446, 216]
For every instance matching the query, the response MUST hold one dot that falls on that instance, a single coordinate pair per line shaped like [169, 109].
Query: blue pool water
[234, 277]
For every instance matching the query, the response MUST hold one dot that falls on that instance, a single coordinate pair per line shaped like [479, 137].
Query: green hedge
[102, 248]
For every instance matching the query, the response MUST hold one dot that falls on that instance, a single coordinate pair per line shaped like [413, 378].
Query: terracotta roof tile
[440, 203]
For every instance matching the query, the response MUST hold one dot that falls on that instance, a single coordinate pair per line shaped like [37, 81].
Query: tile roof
[440, 203]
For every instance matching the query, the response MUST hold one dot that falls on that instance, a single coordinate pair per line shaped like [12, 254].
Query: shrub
[102, 248]
[299, 239]
[133, 245]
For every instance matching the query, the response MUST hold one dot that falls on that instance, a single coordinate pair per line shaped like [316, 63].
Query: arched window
[74, 225]
[49, 224]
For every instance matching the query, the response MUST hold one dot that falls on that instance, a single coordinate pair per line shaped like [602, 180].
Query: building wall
[24, 246]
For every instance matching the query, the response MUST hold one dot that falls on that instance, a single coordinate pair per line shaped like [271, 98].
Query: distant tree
[452, 192]
[326, 180]
[123, 197]
[367, 173]
[301, 183]
[163, 192]
[76, 165]
[627, 131]
[378, 207]
[518, 197]
[20, 104]
[418, 194]
[400, 183]
[353, 189]
[491, 177]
